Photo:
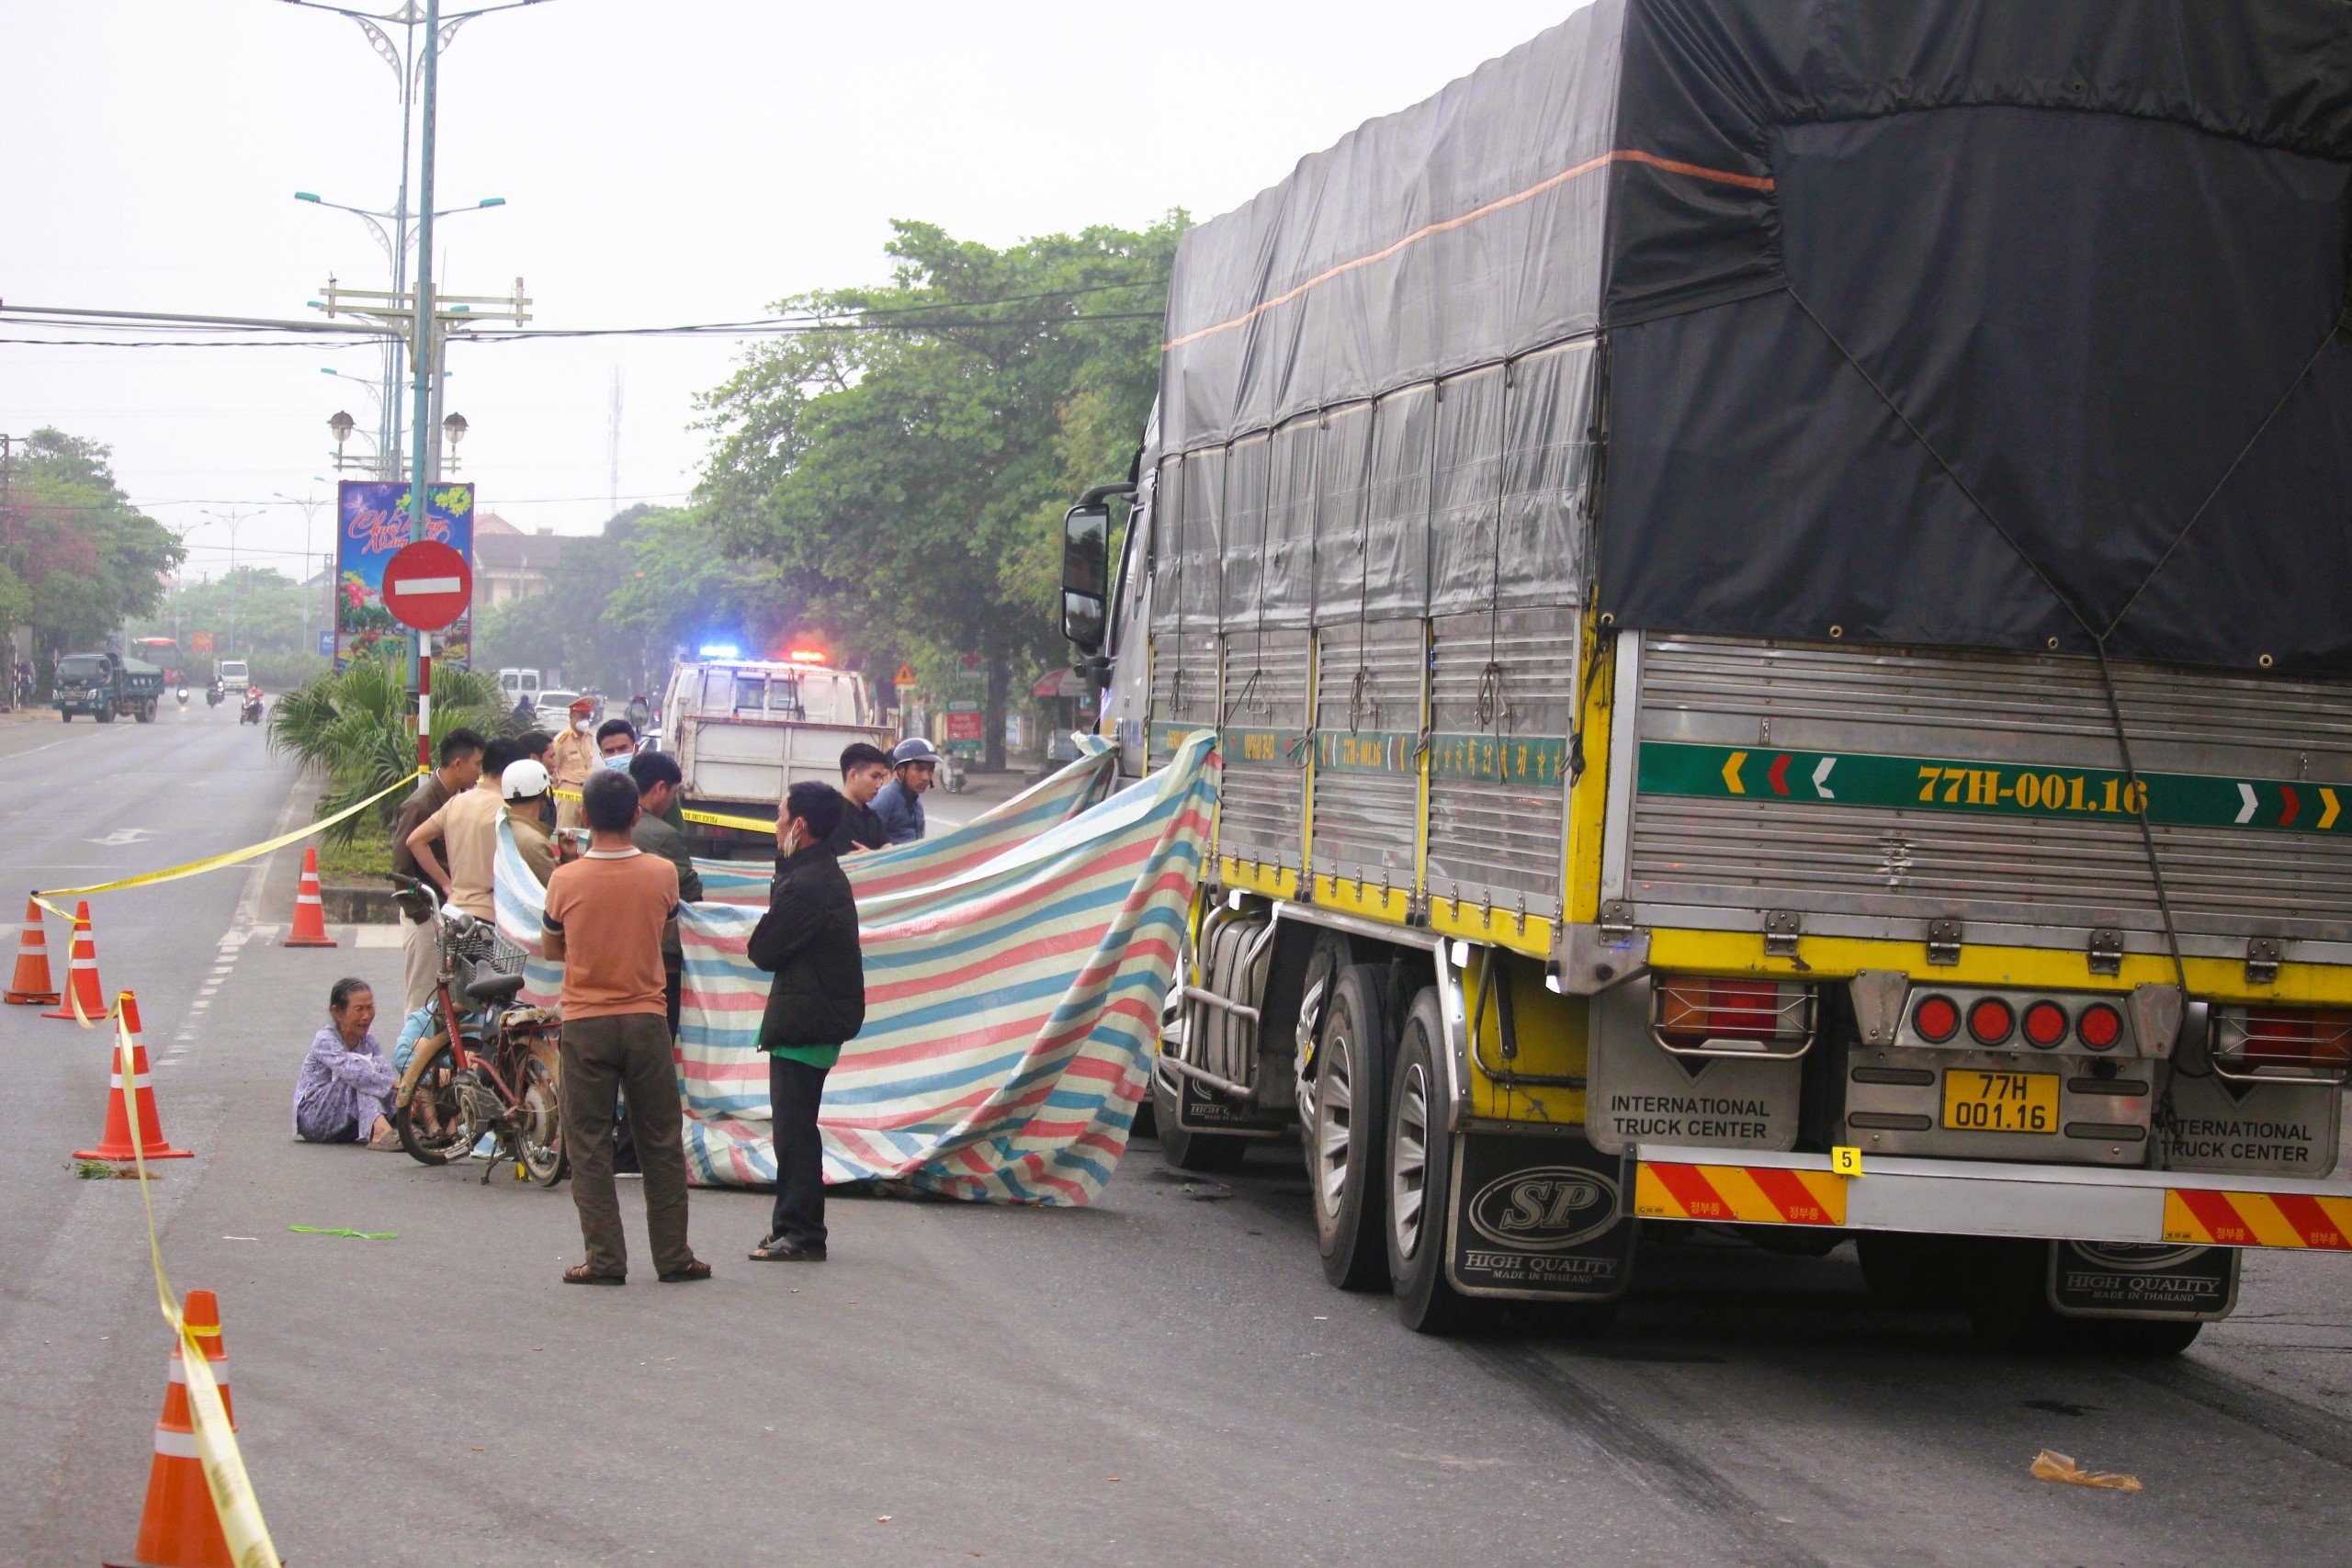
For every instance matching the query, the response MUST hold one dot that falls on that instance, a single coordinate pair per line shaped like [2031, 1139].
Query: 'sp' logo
[1546, 1209]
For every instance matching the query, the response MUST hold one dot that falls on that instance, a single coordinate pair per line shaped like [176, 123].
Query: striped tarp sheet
[519, 900]
[1012, 1011]
[926, 861]
[1012, 1002]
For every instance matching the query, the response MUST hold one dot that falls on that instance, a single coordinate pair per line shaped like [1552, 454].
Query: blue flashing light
[718, 650]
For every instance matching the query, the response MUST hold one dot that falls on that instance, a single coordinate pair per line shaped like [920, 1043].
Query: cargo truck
[1773, 582]
[744, 730]
[104, 684]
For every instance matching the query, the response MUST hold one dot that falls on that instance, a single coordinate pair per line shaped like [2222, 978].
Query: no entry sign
[427, 585]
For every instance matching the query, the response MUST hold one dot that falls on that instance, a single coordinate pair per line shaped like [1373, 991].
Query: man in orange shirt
[604, 919]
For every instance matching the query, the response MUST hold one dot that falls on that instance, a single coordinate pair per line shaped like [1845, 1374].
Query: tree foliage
[905, 474]
[277, 623]
[77, 559]
[620, 604]
[357, 727]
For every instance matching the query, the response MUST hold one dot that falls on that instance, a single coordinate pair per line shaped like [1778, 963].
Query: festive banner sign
[372, 526]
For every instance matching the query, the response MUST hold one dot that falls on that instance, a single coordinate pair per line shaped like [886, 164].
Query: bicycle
[494, 1073]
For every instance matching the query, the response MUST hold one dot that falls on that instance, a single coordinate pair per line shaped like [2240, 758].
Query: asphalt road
[1163, 1379]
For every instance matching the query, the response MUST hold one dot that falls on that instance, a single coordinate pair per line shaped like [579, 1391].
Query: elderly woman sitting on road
[344, 1092]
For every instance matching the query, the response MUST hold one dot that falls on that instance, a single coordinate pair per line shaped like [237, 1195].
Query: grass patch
[366, 858]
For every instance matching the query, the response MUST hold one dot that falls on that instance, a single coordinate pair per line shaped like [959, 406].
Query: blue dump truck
[104, 684]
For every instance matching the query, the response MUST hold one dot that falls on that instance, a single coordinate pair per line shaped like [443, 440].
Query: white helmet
[523, 780]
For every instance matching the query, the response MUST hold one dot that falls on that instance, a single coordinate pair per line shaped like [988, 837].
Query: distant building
[510, 564]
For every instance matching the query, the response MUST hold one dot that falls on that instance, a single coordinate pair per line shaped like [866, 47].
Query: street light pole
[421, 354]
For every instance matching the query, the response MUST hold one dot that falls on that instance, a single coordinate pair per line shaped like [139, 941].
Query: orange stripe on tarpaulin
[1623, 155]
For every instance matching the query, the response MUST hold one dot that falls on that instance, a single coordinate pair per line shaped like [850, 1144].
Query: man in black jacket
[808, 940]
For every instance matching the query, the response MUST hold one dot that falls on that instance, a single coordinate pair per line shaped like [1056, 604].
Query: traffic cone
[82, 973]
[310, 927]
[31, 987]
[180, 1529]
[116, 1144]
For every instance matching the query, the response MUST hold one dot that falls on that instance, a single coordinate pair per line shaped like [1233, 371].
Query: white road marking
[122, 836]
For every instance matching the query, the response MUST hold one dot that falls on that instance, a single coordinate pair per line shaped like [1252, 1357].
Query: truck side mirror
[1086, 553]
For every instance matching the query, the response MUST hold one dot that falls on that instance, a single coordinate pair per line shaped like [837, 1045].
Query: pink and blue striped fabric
[919, 864]
[1012, 1007]
[1015, 969]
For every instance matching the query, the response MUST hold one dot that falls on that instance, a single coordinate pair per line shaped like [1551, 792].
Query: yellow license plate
[2001, 1102]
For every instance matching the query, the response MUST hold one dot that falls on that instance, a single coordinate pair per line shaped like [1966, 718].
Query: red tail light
[2100, 1027]
[1936, 1019]
[1990, 1021]
[1768, 1016]
[2045, 1024]
[2282, 1042]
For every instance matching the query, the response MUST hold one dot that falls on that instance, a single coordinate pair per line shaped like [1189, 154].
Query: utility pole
[614, 503]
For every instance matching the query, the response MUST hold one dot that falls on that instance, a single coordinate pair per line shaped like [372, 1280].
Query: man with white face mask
[572, 759]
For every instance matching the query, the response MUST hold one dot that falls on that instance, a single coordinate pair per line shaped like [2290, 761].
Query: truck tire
[144, 713]
[1346, 1142]
[104, 713]
[64, 716]
[1420, 1182]
[1907, 1271]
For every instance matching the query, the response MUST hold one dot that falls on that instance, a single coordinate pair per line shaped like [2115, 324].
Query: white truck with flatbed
[1773, 583]
[745, 730]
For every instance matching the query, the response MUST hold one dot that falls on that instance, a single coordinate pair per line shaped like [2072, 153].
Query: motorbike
[251, 713]
[183, 697]
[212, 695]
[493, 1073]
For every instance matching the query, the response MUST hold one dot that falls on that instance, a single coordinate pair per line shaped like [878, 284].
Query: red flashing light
[2045, 1024]
[2100, 1027]
[1990, 1021]
[1936, 1020]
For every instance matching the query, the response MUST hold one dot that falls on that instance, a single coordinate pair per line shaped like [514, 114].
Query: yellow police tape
[713, 819]
[213, 862]
[216, 1441]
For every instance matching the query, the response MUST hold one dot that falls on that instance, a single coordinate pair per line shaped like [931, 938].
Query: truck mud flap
[2116, 1279]
[1199, 1108]
[1541, 1217]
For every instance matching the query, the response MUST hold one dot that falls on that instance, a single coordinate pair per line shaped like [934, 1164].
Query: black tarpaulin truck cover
[1968, 322]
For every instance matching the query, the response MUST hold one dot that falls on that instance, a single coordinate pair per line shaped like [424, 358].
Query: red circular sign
[427, 585]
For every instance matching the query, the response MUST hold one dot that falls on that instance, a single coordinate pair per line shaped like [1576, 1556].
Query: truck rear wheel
[1345, 1141]
[1420, 1182]
[64, 716]
[104, 713]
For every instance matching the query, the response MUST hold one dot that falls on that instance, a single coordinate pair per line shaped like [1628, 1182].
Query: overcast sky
[685, 162]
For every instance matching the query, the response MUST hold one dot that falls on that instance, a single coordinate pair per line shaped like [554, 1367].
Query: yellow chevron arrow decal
[2328, 808]
[1731, 773]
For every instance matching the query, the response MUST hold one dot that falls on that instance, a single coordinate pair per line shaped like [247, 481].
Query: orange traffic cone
[116, 1144]
[310, 927]
[180, 1527]
[82, 971]
[31, 987]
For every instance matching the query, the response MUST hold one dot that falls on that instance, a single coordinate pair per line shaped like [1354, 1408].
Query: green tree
[79, 559]
[905, 472]
[277, 623]
[357, 727]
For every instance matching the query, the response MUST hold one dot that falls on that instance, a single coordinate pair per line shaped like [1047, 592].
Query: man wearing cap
[914, 763]
[526, 786]
[572, 759]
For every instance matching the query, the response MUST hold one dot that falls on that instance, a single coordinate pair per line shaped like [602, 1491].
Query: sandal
[695, 1269]
[582, 1274]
